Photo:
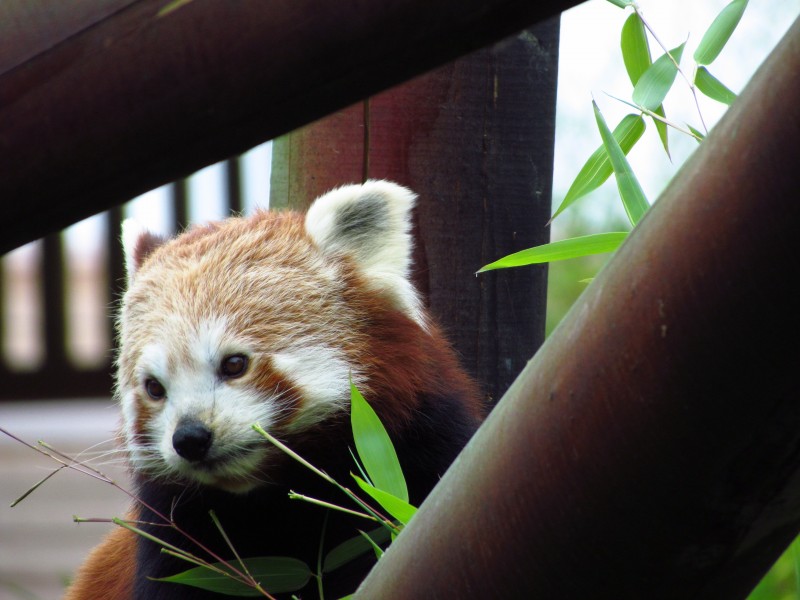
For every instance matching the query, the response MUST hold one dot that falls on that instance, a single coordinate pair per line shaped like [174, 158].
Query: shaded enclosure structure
[651, 446]
[462, 136]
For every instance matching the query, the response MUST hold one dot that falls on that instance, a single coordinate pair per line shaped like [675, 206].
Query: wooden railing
[44, 350]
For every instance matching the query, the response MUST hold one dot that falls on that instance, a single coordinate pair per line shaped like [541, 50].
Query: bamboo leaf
[713, 87]
[353, 548]
[295, 496]
[276, 574]
[795, 547]
[397, 507]
[718, 34]
[699, 135]
[598, 168]
[655, 83]
[576, 247]
[620, 3]
[374, 447]
[151, 537]
[172, 7]
[36, 486]
[375, 547]
[360, 468]
[635, 49]
[662, 129]
[631, 193]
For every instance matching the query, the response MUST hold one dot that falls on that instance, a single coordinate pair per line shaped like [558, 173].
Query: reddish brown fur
[402, 363]
[228, 269]
[107, 573]
[291, 398]
[143, 416]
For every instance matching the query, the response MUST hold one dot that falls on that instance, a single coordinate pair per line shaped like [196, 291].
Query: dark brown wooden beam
[136, 98]
[474, 138]
[651, 449]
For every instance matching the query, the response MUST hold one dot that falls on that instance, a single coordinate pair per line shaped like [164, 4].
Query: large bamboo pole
[134, 97]
[651, 449]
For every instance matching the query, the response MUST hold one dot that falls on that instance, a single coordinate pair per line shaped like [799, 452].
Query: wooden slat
[142, 98]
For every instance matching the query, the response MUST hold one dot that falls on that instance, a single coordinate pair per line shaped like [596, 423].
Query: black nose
[191, 439]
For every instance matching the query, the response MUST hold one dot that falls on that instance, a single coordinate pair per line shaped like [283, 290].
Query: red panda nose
[191, 439]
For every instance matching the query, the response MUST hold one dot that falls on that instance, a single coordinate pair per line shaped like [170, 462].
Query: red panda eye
[154, 389]
[233, 366]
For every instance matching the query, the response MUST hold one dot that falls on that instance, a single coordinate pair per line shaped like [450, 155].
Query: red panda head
[263, 320]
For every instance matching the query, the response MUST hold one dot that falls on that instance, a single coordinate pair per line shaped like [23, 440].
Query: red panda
[264, 320]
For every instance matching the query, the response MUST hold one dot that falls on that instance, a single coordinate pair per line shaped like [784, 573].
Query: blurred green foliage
[783, 580]
[568, 278]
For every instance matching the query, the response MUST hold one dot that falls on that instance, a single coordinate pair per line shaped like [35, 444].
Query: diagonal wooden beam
[135, 97]
[651, 449]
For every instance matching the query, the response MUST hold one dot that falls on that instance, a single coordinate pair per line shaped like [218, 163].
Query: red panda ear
[137, 244]
[371, 223]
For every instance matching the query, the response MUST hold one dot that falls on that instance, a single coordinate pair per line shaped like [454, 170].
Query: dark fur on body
[265, 522]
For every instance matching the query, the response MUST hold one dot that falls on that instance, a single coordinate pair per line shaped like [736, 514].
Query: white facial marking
[195, 389]
[322, 375]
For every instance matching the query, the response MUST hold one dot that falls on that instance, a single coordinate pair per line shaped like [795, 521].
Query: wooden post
[650, 449]
[475, 140]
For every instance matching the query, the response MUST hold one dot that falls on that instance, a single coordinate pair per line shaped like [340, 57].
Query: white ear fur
[371, 223]
[137, 244]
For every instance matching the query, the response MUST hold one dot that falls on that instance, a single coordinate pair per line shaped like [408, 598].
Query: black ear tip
[369, 214]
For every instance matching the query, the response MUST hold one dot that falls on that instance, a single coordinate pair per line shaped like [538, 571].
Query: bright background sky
[590, 66]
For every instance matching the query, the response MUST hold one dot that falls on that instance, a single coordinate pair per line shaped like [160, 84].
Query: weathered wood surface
[141, 98]
[650, 449]
[475, 140]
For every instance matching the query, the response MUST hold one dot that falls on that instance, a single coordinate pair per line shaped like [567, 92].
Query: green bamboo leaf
[635, 49]
[360, 468]
[148, 536]
[397, 507]
[631, 193]
[700, 135]
[374, 447]
[276, 574]
[35, 486]
[719, 32]
[598, 168]
[172, 7]
[713, 87]
[353, 548]
[795, 549]
[662, 129]
[375, 547]
[597, 243]
[653, 85]
[620, 3]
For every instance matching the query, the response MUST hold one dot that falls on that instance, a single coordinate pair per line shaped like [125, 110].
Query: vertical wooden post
[53, 296]
[475, 140]
[651, 449]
